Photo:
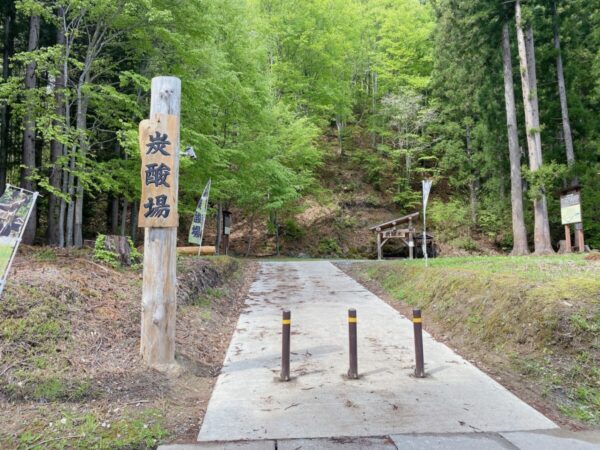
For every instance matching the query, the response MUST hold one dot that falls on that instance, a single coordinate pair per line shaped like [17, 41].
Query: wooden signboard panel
[570, 208]
[158, 139]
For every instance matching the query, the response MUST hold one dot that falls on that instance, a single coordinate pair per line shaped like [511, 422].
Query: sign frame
[19, 238]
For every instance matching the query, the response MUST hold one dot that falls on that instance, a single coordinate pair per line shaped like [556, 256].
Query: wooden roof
[393, 223]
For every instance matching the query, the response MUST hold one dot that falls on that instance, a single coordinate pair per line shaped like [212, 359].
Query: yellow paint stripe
[352, 320]
[417, 320]
[286, 321]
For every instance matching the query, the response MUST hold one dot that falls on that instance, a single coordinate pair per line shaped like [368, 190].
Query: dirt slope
[70, 372]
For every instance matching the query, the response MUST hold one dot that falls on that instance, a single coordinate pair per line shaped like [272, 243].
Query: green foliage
[103, 255]
[110, 258]
[329, 247]
[544, 179]
[450, 220]
[292, 231]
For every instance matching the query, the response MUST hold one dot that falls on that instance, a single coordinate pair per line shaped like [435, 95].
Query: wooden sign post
[159, 149]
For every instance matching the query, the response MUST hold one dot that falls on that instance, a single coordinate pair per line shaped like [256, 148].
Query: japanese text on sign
[158, 205]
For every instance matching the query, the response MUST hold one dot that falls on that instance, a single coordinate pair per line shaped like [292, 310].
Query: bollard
[418, 327]
[353, 370]
[286, 322]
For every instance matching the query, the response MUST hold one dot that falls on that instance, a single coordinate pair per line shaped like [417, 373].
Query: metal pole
[353, 370]
[286, 323]
[418, 329]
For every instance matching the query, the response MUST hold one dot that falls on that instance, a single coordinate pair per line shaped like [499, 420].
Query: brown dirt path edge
[492, 364]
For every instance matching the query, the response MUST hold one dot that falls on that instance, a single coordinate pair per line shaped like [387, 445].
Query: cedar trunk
[8, 51]
[516, 184]
[562, 92]
[29, 129]
[542, 243]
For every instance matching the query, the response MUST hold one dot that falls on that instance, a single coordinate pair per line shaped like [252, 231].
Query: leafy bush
[291, 230]
[112, 258]
[449, 220]
[329, 246]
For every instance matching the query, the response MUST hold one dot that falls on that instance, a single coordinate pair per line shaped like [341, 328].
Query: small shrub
[450, 220]
[292, 231]
[329, 246]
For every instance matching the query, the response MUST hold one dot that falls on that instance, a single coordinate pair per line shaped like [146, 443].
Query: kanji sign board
[570, 208]
[158, 205]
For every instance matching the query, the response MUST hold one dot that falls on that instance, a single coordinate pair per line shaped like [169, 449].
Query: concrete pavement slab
[384, 443]
[248, 445]
[554, 440]
[249, 402]
[462, 441]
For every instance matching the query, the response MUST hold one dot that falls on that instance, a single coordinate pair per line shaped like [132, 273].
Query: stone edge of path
[557, 439]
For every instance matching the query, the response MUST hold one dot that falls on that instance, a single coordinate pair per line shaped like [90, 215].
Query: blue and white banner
[197, 228]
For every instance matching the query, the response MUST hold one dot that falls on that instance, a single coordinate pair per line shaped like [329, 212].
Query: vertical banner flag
[15, 208]
[197, 228]
[426, 189]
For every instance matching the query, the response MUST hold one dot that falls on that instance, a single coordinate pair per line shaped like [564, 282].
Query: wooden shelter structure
[401, 228]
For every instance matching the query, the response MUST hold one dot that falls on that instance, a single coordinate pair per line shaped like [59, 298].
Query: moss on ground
[540, 314]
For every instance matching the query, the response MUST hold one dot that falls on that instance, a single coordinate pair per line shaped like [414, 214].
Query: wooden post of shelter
[159, 147]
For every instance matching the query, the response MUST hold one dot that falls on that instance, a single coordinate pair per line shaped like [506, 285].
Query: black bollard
[285, 345]
[418, 328]
[353, 370]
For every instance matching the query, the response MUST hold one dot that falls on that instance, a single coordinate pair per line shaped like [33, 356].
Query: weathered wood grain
[159, 297]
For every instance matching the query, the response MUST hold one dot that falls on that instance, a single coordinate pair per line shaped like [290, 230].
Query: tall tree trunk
[134, 221]
[114, 215]
[516, 184]
[124, 217]
[339, 123]
[8, 51]
[562, 92]
[81, 124]
[472, 179]
[56, 152]
[29, 131]
[250, 236]
[526, 47]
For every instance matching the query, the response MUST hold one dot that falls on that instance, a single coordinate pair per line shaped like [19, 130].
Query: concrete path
[520, 440]
[249, 403]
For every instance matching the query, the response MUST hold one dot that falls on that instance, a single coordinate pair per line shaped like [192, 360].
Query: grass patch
[90, 431]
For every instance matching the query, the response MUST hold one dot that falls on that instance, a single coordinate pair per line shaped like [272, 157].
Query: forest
[496, 102]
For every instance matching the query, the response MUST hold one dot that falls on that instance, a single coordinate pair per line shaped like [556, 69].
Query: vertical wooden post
[379, 252]
[568, 247]
[579, 237]
[159, 296]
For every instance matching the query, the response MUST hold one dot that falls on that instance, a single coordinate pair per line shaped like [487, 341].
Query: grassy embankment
[70, 371]
[533, 322]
